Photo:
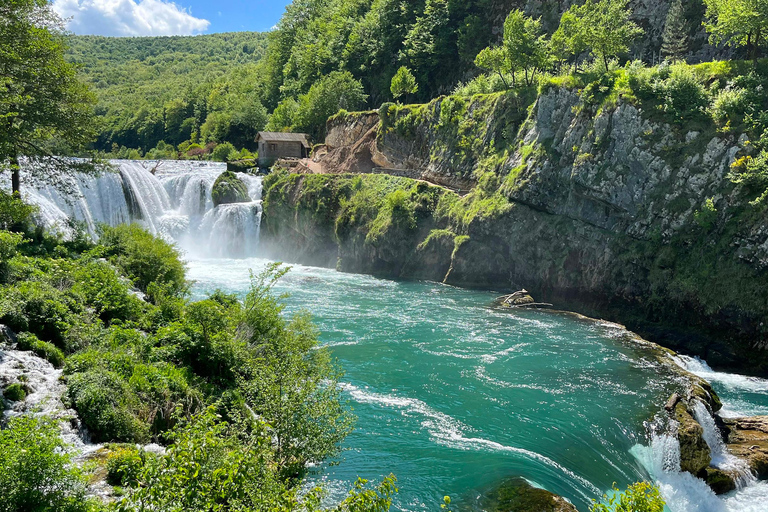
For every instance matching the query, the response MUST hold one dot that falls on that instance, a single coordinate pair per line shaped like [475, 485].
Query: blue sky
[167, 17]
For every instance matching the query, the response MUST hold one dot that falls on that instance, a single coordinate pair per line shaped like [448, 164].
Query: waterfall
[684, 492]
[721, 457]
[171, 199]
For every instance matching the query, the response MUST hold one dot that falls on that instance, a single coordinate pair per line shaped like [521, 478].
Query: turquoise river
[453, 396]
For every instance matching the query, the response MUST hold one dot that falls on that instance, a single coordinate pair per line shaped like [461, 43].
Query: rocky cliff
[592, 198]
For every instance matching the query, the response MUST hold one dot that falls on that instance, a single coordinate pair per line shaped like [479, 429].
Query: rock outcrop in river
[604, 207]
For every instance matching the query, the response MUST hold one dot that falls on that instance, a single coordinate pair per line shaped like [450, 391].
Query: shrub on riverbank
[36, 472]
[139, 371]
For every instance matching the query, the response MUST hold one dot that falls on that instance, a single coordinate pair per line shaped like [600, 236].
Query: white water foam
[171, 199]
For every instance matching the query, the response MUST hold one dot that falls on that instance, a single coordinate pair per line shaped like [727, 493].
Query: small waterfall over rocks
[721, 457]
[684, 492]
[169, 198]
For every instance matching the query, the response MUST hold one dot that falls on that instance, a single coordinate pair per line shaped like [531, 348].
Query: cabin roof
[283, 137]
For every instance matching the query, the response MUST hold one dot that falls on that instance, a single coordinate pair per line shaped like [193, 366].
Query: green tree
[604, 27]
[35, 469]
[293, 384]
[403, 83]
[525, 45]
[222, 152]
[333, 92]
[675, 37]
[568, 39]
[738, 23]
[494, 59]
[44, 108]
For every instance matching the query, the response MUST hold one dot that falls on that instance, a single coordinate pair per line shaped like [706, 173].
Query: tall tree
[495, 59]
[738, 23]
[44, 108]
[403, 83]
[525, 45]
[675, 37]
[604, 27]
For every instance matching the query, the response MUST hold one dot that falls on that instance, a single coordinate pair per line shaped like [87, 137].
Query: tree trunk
[605, 62]
[15, 175]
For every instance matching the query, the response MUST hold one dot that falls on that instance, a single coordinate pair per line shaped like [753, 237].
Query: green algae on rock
[229, 189]
[517, 495]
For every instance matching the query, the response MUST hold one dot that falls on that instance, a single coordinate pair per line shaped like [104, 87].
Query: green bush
[15, 214]
[683, 94]
[224, 152]
[104, 404]
[228, 468]
[639, 497]
[48, 351]
[146, 259]
[124, 465]
[36, 472]
[729, 106]
[15, 392]
[102, 289]
[39, 308]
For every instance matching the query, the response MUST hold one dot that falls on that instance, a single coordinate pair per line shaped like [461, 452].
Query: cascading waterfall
[721, 457]
[170, 198]
[684, 492]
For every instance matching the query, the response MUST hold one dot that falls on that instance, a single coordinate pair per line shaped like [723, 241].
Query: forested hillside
[153, 89]
[327, 55]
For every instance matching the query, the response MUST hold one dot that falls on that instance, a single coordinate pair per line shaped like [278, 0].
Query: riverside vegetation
[241, 395]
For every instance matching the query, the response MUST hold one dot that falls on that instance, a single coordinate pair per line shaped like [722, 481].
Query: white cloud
[128, 18]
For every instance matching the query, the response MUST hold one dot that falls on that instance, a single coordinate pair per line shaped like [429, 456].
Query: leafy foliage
[35, 471]
[403, 83]
[173, 89]
[153, 264]
[639, 497]
[738, 23]
[44, 108]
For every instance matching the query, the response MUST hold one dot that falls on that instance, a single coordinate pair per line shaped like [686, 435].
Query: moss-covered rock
[247, 165]
[517, 495]
[229, 189]
[694, 452]
[719, 481]
[15, 392]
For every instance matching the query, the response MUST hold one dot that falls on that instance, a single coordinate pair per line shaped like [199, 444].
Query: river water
[451, 395]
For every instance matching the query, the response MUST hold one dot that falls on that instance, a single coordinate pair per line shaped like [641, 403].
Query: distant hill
[159, 88]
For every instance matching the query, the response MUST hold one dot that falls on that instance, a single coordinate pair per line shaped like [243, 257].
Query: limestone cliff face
[605, 209]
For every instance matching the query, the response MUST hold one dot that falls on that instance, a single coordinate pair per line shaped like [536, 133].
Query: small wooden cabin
[275, 145]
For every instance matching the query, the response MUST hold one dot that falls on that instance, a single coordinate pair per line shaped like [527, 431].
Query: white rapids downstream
[173, 200]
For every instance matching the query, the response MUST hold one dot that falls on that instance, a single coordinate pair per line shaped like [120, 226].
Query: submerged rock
[517, 495]
[229, 189]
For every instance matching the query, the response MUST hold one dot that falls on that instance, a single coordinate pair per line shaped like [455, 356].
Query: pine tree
[675, 37]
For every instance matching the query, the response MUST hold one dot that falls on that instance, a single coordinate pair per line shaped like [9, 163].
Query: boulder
[719, 481]
[748, 439]
[229, 189]
[517, 495]
[7, 336]
[694, 452]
